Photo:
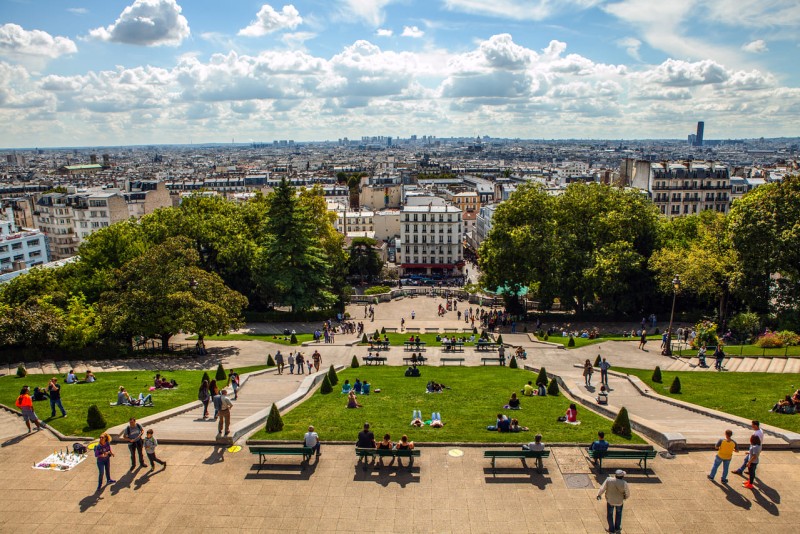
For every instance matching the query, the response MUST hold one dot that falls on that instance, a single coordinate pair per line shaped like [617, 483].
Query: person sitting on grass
[515, 427]
[541, 389]
[602, 395]
[413, 371]
[365, 386]
[513, 403]
[162, 383]
[71, 378]
[782, 406]
[572, 415]
[89, 377]
[352, 402]
[436, 420]
[404, 444]
[527, 389]
[503, 424]
[124, 399]
[357, 386]
[346, 387]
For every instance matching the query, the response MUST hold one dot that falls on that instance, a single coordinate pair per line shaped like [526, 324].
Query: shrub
[383, 330]
[657, 375]
[525, 330]
[293, 339]
[364, 338]
[657, 331]
[676, 386]
[205, 378]
[706, 334]
[475, 330]
[789, 338]
[484, 335]
[571, 342]
[622, 424]
[377, 290]
[546, 336]
[334, 378]
[597, 361]
[540, 334]
[376, 335]
[770, 340]
[21, 371]
[513, 363]
[270, 361]
[746, 325]
[542, 378]
[552, 389]
[221, 375]
[94, 418]
[500, 339]
[354, 362]
[326, 386]
[274, 420]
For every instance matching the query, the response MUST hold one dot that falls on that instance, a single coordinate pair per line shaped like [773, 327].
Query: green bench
[622, 454]
[363, 454]
[493, 360]
[518, 453]
[453, 360]
[263, 452]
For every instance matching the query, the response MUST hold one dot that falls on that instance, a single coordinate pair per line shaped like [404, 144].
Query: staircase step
[776, 365]
[678, 365]
[49, 367]
[792, 365]
[762, 364]
[733, 364]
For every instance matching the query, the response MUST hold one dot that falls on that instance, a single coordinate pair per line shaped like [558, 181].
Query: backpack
[79, 448]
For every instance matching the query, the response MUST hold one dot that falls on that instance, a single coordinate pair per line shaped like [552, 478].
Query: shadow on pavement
[399, 475]
[16, 439]
[217, 455]
[282, 471]
[531, 476]
[90, 501]
[733, 496]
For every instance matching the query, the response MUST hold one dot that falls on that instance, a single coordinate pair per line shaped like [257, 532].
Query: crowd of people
[298, 361]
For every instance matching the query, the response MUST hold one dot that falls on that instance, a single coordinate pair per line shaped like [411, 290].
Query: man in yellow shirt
[725, 449]
[527, 389]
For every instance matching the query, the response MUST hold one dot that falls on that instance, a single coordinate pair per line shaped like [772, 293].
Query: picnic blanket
[61, 461]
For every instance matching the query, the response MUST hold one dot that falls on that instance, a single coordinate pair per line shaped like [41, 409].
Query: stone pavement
[203, 488]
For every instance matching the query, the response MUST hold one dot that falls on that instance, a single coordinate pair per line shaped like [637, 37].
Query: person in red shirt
[25, 404]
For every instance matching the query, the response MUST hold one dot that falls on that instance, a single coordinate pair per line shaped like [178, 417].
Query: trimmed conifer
[221, 375]
[513, 363]
[657, 375]
[383, 330]
[597, 361]
[94, 418]
[571, 342]
[205, 378]
[364, 338]
[270, 361]
[274, 420]
[542, 378]
[500, 339]
[354, 362]
[552, 389]
[622, 424]
[293, 339]
[676, 386]
[334, 378]
[21, 371]
[326, 386]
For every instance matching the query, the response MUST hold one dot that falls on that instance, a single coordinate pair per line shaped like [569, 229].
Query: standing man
[604, 367]
[291, 363]
[719, 357]
[413, 314]
[502, 353]
[279, 362]
[756, 426]
[225, 406]
[616, 490]
[54, 391]
[317, 357]
[300, 361]
[133, 435]
[725, 449]
[311, 439]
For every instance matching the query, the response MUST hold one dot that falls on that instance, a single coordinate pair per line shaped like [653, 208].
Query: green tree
[36, 324]
[82, 324]
[364, 262]
[622, 424]
[274, 420]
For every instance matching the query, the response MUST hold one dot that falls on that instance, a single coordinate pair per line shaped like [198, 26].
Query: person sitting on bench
[513, 403]
[599, 445]
[346, 387]
[602, 395]
[386, 443]
[366, 439]
[536, 445]
[404, 444]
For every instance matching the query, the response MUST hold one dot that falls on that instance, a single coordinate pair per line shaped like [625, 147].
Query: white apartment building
[430, 241]
[483, 224]
[349, 222]
[387, 224]
[20, 248]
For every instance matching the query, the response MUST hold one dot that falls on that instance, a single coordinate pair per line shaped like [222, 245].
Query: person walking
[311, 439]
[54, 392]
[588, 370]
[317, 357]
[756, 426]
[617, 491]
[233, 381]
[753, 456]
[413, 314]
[204, 396]
[719, 357]
[604, 367]
[300, 361]
[279, 362]
[25, 405]
[725, 448]
[150, 444]
[103, 454]
[225, 406]
[291, 363]
[133, 435]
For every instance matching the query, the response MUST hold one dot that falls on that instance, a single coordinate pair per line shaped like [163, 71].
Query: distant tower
[699, 140]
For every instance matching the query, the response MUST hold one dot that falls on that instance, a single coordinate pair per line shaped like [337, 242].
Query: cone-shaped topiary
[270, 361]
[354, 362]
[364, 338]
[205, 378]
[622, 424]
[597, 361]
[475, 330]
[513, 363]
[21, 371]
[376, 335]
[542, 378]
[500, 339]
[657, 375]
[552, 389]
[293, 339]
[274, 420]
[676, 386]
[383, 330]
[571, 342]
[221, 375]
[334, 378]
[326, 386]
[546, 336]
[94, 418]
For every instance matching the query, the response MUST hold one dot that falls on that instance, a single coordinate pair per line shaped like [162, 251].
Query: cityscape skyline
[142, 72]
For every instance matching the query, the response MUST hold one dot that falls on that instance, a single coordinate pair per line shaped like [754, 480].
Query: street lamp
[676, 285]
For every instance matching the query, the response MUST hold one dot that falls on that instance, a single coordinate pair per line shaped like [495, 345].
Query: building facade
[20, 248]
[686, 188]
[430, 242]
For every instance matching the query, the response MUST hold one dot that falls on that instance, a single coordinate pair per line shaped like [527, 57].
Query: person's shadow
[90, 501]
[733, 496]
[217, 455]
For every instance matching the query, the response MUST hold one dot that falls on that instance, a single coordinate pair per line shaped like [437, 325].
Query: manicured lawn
[749, 395]
[476, 396]
[582, 342]
[78, 397]
[748, 350]
[272, 338]
[396, 338]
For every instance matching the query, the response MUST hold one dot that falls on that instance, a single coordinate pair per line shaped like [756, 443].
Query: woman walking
[587, 372]
[103, 454]
[204, 396]
[25, 404]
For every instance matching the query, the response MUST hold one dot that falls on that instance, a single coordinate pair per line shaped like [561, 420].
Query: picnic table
[414, 345]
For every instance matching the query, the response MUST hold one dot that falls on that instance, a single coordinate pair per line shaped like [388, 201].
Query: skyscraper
[699, 140]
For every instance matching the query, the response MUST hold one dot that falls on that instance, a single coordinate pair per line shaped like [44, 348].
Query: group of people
[726, 447]
[366, 440]
[790, 404]
[125, 399]
[138, 442]
[73, 379]
[435, 421]
[210, 393]
[353, 390]
[298, 361]
[719, 357]
[161, 382]
[506, 424]
[435, 387]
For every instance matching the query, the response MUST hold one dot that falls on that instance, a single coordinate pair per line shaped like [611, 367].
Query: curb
[440, 444]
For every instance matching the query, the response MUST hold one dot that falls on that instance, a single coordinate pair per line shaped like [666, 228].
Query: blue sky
[167, 71]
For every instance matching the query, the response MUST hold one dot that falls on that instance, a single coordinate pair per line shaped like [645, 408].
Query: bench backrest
[624, 453]
[517, 454]
[277, 450]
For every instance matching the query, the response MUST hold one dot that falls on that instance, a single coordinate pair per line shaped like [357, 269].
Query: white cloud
[370, 11]
[78, 10]
[676, 73]
[412, 31]
[268, 20]
[297, 39]
[147, 23]
[756, 47]
[16, 41]
[519, 9]
[384, 32]
[631, 46]
[754, 13]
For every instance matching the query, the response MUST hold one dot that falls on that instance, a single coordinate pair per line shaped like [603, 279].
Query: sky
[107, 72]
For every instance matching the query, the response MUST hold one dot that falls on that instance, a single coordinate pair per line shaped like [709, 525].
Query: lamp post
[676, 285]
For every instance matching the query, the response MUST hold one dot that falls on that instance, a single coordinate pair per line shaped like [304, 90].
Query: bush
[542, 378]
[364, 338]
[383, 330]
[770, 340]
[513, 363]
[500, 339]
[274, 420]
[221, 375]
[293, 339]
[789, 338]
[657, 332]
[622, 424]
[334, 378]
[377, 335]
[552, 389]
[377, 290]
[94, 418]
[354, 362]
[475, 330]
[676, 386]
[326, 386]
[746, 325]
[205, 378]
[540, 334]
[597, 361]
[546, 336]
[270, 361]
[571, 342]
[657, 375]
[21, 371]
[706, 334]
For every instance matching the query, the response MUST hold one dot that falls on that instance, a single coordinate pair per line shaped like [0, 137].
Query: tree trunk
[165, 337]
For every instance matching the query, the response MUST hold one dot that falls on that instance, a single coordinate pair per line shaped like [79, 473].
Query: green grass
[78, 397]
[478, 394]
[582, 342]
[748, 395]
[396, 338]
[272, 338]
[748, 350]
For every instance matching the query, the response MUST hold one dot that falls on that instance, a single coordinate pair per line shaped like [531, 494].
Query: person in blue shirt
[346, 387]
[357, 386]
[365, 387]
[600, 444]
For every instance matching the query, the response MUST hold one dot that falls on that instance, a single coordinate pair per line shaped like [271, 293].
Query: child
[150, 444]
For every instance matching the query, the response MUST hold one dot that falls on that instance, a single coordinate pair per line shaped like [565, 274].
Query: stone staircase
[739, 365]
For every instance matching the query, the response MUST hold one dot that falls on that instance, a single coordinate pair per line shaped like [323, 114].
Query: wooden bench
[377, 360]
[418, 360]
[484, 360]
[518, 453]
[263, 452]
[622, 454]
[363, 454]
[458, 346]
[445, 360]
[486, 346]
[413, 345]
[378, 345]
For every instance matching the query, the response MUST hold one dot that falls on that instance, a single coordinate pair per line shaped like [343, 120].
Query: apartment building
[685, 188]
[350, 222]
[20, 248]
[469, 204]
[430, 241]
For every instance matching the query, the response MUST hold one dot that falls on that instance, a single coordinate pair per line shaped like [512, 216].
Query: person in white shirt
[71, 378]
[616, 490]
[756, 426]
[225, 406]
[311, 439]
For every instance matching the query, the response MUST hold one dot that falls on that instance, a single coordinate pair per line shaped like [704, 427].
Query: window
[4, 248]
[35, 254]
[408, 227]
[16, 246]
[19, 257]
[33, 243]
